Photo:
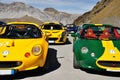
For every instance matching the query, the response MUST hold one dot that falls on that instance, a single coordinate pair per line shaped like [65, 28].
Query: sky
[70, 6]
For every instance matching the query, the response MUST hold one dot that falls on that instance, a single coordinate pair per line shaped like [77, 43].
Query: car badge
[112, 51]
[5, 53]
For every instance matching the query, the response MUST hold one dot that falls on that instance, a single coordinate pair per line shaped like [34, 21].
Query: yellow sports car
[57, 31]
[22, 47]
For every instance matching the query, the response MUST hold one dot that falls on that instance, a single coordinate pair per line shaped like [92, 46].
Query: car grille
[53, 38]
[9, 64]
[109, 63]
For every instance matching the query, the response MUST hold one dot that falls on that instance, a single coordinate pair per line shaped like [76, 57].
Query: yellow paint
[2, 30]
[17, 51]
[55, 33]
[98, 24]
[111, 53]
[51, 22]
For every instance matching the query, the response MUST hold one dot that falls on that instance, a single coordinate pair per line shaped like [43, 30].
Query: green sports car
[97, 46]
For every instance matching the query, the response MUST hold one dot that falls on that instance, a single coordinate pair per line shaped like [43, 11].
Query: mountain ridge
[104, 12]
[19, 9]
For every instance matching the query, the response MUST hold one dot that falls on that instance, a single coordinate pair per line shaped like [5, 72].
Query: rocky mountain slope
[24, 18]
[17, 10]
[60, 16]
[105, 11]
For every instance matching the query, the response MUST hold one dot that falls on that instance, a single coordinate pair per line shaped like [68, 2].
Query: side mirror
[41, 26]
[65, 28]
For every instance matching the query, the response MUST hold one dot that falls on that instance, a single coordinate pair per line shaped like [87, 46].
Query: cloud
[72, 6]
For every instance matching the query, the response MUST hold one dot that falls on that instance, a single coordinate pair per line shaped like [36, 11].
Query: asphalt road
[62, 68]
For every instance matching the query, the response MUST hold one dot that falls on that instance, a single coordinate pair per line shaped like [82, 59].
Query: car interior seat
[90, 34]
[105, 34]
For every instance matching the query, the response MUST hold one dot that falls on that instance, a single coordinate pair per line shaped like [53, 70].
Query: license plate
[6, 72]
[113, 70]
[51, 41]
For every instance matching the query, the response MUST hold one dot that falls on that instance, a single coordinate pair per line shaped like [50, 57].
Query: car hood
[53, 31]
[15, 49]
[111, 57]
[16, 42]
[104, 50]
[111, 52]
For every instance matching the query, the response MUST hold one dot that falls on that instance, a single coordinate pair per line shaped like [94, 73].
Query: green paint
[117, 44]
[85, 60]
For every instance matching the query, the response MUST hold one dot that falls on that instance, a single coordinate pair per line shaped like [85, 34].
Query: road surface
[62, 68]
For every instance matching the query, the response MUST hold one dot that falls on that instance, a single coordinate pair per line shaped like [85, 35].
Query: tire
[66, 42]
[75, 64]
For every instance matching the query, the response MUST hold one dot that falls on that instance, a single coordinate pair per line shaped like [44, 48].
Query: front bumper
[88, 64]
[10, 64]
[11, 67]
[112, 66]
[8, 72]
[57, 40]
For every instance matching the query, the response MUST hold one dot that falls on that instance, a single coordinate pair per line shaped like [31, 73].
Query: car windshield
[52, 27]
[20, 31]
[101, 33]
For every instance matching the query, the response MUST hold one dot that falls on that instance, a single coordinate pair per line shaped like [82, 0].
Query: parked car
[97, 47]
[23, 46]
[57, 31]
[71, 28]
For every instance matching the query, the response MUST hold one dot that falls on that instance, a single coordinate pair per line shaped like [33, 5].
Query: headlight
[84, 49]
[92, 54]
[36, 50]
